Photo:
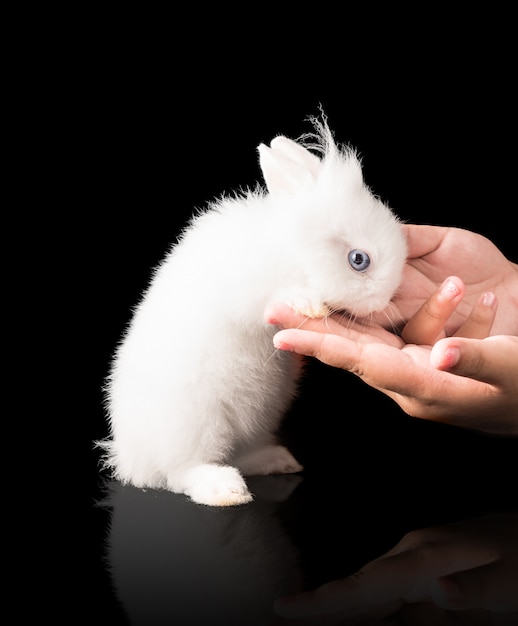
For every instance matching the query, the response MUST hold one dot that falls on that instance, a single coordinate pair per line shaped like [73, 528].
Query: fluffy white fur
[196, 390]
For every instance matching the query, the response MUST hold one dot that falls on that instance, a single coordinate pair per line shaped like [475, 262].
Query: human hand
[460, 573]
[435, 252]
[467, 380]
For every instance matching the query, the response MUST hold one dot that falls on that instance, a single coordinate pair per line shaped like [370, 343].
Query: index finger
[427, 325]
[380, 365]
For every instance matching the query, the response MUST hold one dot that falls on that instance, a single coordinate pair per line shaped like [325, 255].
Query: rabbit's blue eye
[359, 260]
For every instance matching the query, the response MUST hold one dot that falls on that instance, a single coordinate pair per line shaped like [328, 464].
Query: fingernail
[451, 358]
[449, 289]
[488, 299]
[281, 345]
[449, 588]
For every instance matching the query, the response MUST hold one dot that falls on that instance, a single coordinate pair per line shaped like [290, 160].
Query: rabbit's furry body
[196, 391]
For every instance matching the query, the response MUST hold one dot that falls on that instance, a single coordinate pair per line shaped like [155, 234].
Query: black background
[148, 125]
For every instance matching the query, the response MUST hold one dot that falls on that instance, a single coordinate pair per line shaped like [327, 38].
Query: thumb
[478, 588]
[492, 360]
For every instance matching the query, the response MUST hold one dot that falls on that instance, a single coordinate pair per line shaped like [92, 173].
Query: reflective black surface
[158, 558]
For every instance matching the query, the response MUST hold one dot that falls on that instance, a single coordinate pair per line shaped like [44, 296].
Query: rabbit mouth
[343, 314]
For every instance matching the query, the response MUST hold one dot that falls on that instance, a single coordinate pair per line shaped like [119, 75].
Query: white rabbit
[196, 391]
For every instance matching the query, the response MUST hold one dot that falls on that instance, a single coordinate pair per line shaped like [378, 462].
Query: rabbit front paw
[213, 485]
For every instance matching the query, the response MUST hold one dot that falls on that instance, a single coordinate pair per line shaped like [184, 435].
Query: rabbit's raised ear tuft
[286, 165]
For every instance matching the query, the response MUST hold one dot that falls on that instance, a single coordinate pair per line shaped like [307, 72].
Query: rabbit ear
[286, 165]
[295, 151]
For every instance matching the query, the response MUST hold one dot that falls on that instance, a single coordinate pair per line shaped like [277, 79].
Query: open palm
[438, 252]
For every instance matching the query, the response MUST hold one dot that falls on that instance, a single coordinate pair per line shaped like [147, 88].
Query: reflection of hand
[466, 380]
[464, 565]
[435, 252]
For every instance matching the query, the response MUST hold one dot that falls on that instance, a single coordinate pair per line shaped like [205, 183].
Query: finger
[479, 588]
[383, 585]
[492, 360]
[328, 348]
[283, 316]
[427, 325]
[479, 323]
[347, 598]
[424, 614]
[379, 365]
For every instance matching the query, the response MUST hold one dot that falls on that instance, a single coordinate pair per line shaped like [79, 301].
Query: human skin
[444, 362]
[445, 350]
[469, 566]
[436, 252]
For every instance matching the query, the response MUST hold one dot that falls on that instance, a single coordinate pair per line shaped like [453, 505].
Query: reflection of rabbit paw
[216, 485]
[272, 488]
[271, 459]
